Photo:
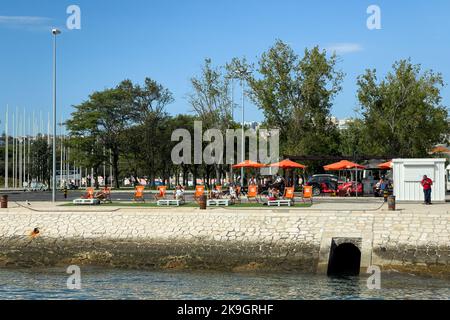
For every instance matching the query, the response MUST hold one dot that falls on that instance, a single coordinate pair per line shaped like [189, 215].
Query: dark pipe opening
[345, 260]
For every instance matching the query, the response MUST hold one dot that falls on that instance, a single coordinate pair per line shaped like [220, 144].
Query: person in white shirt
[179, 192]
[233, 195]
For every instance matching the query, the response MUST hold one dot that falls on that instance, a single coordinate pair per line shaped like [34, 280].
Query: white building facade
[408, 173]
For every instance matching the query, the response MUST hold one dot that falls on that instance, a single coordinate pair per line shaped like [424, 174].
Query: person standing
[426, 185]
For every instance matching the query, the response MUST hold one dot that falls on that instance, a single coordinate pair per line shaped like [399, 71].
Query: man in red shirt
[426, 184]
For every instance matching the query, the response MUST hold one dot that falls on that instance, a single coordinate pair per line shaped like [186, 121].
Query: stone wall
[225, 239]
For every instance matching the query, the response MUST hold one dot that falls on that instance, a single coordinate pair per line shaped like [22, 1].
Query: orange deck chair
[219, 189]
[161, 193]
[307, 193]
[289, 194]
[252, 193]
[139, 193]
[199, 191]
[89, 193]
[104, 195]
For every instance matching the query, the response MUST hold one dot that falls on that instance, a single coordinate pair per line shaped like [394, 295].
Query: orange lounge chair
[89, 193]
[289, 194]
[139, 193]
[219, 192]
[307, 193]
[252, 193]
[161, 193]
[219, 188]
[104, 195]
[199, 191]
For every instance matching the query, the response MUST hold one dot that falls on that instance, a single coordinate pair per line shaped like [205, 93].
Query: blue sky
[168, 41]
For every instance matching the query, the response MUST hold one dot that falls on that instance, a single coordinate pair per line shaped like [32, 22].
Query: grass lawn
[189, 205]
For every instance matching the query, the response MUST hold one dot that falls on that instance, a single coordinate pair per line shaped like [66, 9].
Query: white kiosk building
[408, 173]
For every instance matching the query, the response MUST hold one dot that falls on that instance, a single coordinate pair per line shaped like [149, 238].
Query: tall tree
[403, 112]
[149, 103]
[296, 93]
[103, 119]
[355, 140]
[40, 164]
[211, 102]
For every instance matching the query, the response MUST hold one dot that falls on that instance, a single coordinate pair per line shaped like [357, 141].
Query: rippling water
[131, 284]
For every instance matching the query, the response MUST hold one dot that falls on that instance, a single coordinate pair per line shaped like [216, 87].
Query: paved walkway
[374, 206]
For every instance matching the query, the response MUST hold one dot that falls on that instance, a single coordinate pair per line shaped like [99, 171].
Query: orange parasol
[440, 149]
[342, 165]
[345, 165]
[288, 164]
[385, 165]
[249, 164]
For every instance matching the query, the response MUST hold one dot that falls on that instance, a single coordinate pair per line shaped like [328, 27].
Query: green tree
[296, 93]
[41, 160]
[99, 122]
[150, 130]
[183, 121]
[354, 140]
[211, 102]
[403, 113]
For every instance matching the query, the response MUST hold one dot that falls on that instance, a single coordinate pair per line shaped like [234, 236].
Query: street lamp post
[243, 134]
[232, 120]
[55, 32]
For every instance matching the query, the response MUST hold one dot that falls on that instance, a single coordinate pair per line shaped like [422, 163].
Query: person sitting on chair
[100, 195]
[215, 192]
[272, 194]
[233, 195]
[179, 193]
[252, 181]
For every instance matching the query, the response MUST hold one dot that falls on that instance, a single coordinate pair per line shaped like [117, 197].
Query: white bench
[169, 202]
[86, 201]
[218, 202]
[279, 203]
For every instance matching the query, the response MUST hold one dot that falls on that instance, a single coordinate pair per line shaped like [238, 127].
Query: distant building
[342, 124]
[252, 125]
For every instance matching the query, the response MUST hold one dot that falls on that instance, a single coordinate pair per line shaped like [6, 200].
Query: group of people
[383, 185]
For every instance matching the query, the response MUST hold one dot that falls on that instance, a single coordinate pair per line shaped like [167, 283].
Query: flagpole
[61, 155]
[29, 151]
[24, 121]
[13, 150]
[6, 149]
[41, 123]
[17, 147]
[48, 128]
[19, 163]
[110, 169]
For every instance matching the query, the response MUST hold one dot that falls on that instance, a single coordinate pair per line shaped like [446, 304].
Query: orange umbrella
[345, 165]
[249, 164]
[440, 149]
[386, 165]
[342, 165]
[288, 164]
